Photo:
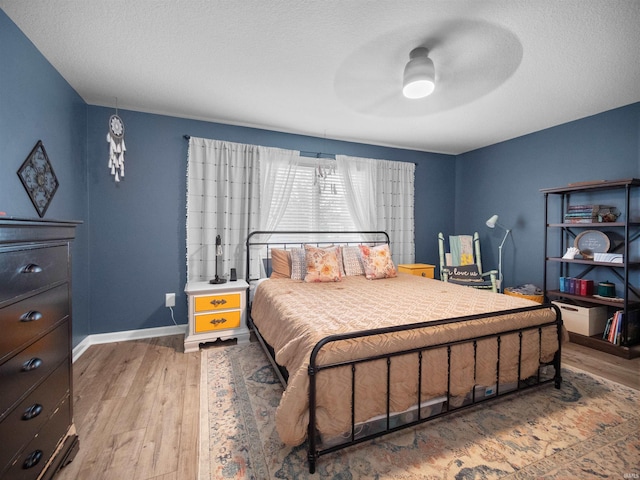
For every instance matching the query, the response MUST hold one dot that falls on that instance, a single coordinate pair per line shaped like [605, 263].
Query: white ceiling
[333, 68]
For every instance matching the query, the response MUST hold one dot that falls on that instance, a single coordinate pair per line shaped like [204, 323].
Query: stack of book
[614, 328]
[586, 213]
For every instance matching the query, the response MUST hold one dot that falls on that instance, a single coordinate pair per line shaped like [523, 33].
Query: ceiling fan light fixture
[419, 75]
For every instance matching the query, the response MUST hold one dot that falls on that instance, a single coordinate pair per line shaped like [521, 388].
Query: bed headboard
[260, 243]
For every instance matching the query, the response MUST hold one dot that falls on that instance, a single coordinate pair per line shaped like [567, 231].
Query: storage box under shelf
[583, 319]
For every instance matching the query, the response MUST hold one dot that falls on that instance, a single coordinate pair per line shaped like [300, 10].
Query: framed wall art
[38, 178]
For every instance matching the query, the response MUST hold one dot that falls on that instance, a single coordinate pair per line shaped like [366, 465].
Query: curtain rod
[305, 154]
[318, 155]
[330, 156]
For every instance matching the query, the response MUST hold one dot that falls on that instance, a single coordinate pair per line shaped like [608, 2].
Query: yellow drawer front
[421, 270]
[217, 302]
[217, 321]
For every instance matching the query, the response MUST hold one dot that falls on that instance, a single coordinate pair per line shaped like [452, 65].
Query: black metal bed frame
[314, 448]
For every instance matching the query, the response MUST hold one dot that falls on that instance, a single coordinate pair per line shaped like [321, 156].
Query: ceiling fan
[471, 58]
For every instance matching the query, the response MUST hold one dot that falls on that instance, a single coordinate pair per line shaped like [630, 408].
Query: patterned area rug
[588, 429]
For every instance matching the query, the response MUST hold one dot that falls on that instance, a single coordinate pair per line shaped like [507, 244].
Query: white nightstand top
[195, 288]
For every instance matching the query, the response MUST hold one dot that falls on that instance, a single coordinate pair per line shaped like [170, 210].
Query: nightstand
[216, 311]
[419, 269]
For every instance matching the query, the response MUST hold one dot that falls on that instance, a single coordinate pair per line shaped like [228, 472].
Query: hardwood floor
[620, 370]
[137, 406]
[136, 410]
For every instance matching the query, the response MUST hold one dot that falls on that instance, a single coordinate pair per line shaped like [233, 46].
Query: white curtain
[277, 175]
[392, 208]
[234, 189]
[359, 177]
[222, 199]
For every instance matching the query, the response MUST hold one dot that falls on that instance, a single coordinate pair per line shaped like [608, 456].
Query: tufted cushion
[377, 262]
[322, 264]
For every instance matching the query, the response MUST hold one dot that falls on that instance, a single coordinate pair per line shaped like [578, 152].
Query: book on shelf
[589, 213]
[614, 328]
[588, 208]
[580, 215]
[611, 336]
[605, 334]
[608, 257]
[581, 220]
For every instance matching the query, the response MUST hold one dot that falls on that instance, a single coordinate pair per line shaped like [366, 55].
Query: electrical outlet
[169, 299]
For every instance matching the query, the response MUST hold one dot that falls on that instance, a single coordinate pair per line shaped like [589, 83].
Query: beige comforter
[293, 316]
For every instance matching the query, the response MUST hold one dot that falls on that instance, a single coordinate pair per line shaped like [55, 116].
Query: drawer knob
[31, 316]
[32, 459]
[32, 268]
[217, 321]
[32, 412]
[31, 364]
[218, 302]
[424, 274]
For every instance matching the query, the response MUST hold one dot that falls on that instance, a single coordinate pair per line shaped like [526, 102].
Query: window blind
[317, 200]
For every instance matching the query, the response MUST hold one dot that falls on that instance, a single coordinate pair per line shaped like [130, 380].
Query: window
[317, 200]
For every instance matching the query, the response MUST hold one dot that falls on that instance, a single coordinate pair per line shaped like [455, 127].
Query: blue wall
[131, 246]
[137, 227]
[506, 179]
[36, 103]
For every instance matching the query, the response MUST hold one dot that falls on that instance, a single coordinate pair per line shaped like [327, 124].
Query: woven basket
[535, 298]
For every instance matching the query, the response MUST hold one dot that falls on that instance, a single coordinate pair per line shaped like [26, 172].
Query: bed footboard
[388, 422]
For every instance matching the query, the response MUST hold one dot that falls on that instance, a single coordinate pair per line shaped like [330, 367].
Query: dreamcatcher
[115, 138]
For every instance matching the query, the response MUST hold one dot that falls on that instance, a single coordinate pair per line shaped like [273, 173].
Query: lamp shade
[491, 223]
[419, 75]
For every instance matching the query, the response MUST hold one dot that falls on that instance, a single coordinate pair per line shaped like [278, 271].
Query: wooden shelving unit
[626, 273]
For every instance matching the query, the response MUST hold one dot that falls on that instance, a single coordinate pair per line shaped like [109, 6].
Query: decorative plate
[590, 242]
[38, 178]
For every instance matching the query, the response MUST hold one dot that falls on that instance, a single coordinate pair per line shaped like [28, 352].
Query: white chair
[462, 265]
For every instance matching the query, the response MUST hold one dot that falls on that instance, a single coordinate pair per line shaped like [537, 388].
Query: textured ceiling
[333, 68]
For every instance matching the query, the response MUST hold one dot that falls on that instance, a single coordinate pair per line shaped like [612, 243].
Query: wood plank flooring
[137, 406]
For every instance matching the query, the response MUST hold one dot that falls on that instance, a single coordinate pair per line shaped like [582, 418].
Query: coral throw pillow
[377, 262]
[280, 263]
[322, 264]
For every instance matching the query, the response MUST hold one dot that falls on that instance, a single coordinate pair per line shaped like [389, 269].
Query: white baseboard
[100, 338]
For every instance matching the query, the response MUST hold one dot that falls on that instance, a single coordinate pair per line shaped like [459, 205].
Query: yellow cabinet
[217, 321]
[216, 312]
[419, 269]
[217, 302]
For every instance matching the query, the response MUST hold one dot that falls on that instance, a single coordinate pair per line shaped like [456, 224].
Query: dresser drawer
[22, 271]
[23, 321]
[17, 429]
[418, 269]
[217, 321]
[32, 459]
[217, 302]
[21, 372]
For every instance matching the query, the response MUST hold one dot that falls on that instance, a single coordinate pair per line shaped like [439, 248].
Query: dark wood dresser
[37, 435]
